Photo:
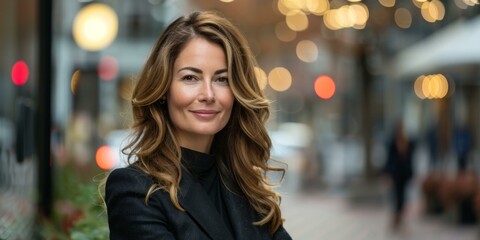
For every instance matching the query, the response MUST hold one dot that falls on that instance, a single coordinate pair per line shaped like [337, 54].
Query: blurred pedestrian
[463, 142]
[199, 152]
[466, 178]
[399, 169]
[433, 143]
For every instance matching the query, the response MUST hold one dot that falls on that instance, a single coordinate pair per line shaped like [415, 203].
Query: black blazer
[129, 217]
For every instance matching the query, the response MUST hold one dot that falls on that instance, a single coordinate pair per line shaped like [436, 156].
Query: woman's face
[199, 99]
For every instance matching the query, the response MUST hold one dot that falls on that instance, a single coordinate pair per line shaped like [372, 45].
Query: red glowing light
[108, 68]
[105, 158]
[324, 87]
[19, 73]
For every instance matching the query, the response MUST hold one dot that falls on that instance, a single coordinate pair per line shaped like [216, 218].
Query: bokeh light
[426, 12]
[284, 33]
[307, 51]
[324, 87]
[471, 2]
[330, 20]
[418, 3]
[433, 86]
[285, 6]
[279, 79]
[347, 16]
[318, 7]
[105, 158]
[358, 14]
[282, 8]
[403, 18]
[297, 20]
[74, 81]
[95, 27]
[342, 17]
[439, 9]
[387, 3]
[261, 77]
[107, 68]
[20, 73]
[461, 4]
[433, 11]
[418, 87]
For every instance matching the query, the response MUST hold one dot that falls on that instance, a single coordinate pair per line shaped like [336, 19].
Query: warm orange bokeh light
[433, 86]
[317, 7]
[105, 158]
[347, 16]
[280, 79]
[74, 81]
[296, 20]
[387, 3]
[324, 87]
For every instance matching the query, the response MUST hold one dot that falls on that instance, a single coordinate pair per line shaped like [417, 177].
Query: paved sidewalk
[321, 216]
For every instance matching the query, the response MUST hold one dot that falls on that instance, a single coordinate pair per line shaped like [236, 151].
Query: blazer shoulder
[130, 172]
[130, 215]
[281, 234]
[128, 179]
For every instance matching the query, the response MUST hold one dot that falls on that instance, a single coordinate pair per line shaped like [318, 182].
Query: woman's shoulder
[128, 177]
[128, 171]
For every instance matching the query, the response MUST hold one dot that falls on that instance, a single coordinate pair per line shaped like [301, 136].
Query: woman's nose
[207, 94]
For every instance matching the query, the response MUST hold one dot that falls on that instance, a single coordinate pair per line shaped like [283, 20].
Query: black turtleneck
[203, 168]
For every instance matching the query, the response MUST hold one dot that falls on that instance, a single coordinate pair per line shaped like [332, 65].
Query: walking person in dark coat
[399, 169]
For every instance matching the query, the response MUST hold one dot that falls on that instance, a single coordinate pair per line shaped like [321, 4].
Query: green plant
[78, 208]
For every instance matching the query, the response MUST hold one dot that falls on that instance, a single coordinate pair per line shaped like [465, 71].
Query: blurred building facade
[339, 73]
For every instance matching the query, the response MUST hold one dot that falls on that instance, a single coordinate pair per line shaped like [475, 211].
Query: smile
[204, 114]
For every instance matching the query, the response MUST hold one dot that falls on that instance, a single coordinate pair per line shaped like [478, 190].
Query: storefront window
[18, 85]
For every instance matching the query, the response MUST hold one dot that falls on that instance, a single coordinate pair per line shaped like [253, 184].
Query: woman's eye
[222, 80]
[189, 78]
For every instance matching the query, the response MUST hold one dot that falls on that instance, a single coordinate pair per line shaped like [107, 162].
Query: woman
[199, 146]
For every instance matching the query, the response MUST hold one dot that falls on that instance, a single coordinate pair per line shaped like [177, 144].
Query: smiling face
[199, 99]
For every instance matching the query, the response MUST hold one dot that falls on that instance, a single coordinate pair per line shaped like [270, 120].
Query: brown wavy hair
[243, 146]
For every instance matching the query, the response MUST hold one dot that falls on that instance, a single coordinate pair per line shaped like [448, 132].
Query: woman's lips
[205, 114]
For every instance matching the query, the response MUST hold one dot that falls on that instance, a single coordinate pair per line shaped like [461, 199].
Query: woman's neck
[199, 144]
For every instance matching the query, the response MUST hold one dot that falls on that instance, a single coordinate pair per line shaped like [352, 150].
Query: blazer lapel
[196, 202]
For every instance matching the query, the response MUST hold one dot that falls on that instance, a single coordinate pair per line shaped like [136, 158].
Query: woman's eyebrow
[223, 70]
[197, 70]
[193, 69]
